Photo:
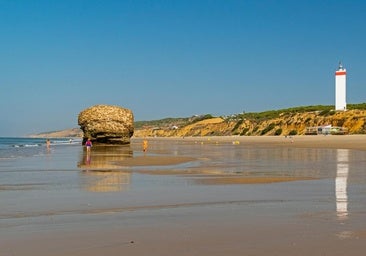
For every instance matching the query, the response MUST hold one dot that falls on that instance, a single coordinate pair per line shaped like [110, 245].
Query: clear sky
[167, 58]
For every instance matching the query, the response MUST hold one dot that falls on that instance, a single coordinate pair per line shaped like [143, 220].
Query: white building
[340, 89]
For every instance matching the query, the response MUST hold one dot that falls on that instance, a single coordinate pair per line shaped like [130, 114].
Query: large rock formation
[105, 124]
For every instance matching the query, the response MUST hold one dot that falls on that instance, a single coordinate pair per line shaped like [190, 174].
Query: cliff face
[290, 123]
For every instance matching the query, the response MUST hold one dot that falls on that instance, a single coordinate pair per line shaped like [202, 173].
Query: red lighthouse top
[341, 71]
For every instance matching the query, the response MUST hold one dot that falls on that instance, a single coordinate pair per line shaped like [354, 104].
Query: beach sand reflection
[109, 181]
[100, 173]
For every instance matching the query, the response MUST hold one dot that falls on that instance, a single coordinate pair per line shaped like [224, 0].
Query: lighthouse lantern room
[340, 89]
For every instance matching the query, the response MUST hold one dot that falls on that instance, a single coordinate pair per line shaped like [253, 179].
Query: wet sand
[154, 160]
[202, 230]
[209, 204]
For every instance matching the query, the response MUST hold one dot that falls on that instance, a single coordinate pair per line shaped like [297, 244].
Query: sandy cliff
[296, 123]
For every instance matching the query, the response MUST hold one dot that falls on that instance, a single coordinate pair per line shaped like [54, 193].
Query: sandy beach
[300, 195]
[357, 142]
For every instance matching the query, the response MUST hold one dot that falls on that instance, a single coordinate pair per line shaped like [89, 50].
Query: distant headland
[67, 133]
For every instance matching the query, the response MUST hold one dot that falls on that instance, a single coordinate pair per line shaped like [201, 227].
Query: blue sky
[169, 58]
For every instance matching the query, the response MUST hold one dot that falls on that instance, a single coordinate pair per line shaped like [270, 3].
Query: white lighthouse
[340, 88]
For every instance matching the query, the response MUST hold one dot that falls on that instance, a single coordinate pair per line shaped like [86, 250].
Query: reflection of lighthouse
[341, 183]
[340, 88]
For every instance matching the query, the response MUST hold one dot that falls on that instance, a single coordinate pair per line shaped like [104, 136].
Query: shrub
[278, 132]
[200, 118]
[324, 112]
[237, 125]
[292, 132]
[356, 106]
[244, 131]
[268, 128]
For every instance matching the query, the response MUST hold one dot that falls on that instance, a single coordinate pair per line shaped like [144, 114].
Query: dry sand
[357, 142]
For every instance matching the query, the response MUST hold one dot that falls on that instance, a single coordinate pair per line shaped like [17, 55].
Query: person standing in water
[88, 145]
[48, 144]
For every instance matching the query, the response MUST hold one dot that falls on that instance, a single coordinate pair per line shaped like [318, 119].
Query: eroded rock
[106, 124]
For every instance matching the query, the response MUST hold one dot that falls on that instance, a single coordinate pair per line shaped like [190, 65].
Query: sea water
[28, 147]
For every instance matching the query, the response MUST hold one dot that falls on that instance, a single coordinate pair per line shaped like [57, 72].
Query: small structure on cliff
[106, 124]
[325, 130]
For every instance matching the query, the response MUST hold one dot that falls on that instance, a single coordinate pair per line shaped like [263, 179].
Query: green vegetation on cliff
[168, 122]
[271, 114]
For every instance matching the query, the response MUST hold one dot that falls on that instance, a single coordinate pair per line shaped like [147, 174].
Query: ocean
[27, 147]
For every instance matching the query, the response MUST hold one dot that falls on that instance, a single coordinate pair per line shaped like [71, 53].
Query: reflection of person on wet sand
[144, 145]
[88, 158]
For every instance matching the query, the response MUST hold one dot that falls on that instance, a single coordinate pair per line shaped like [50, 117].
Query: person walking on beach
[88, 145]
[144, 145]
